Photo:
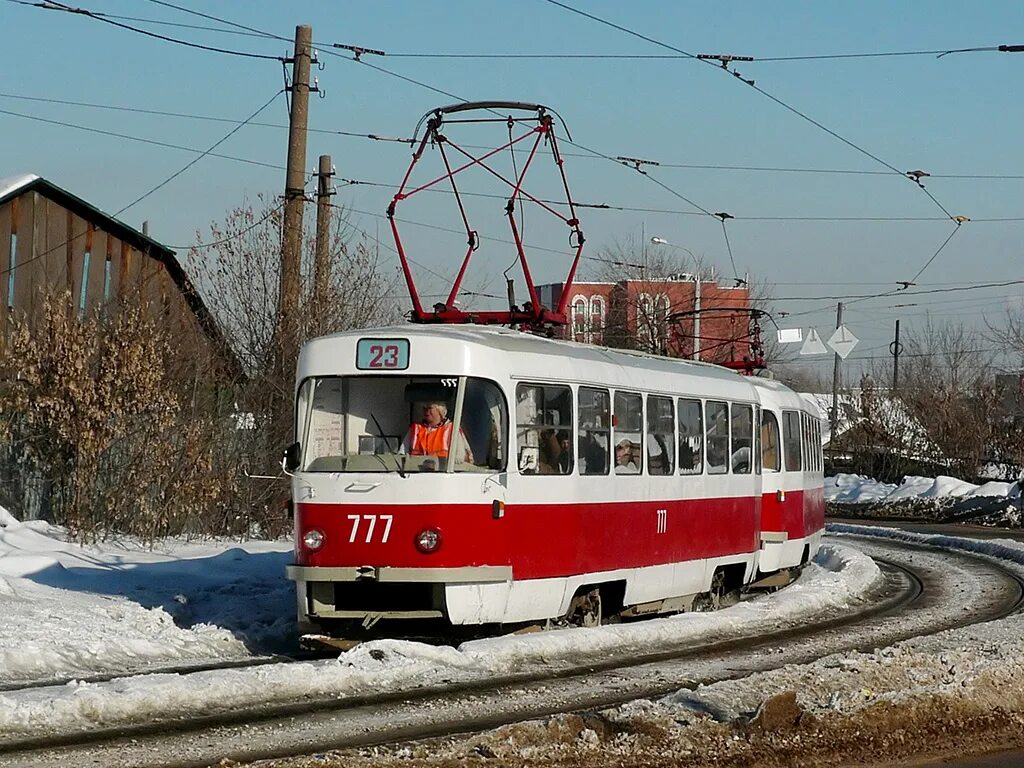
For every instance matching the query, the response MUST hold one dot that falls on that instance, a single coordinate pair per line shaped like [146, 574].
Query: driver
[432, 436]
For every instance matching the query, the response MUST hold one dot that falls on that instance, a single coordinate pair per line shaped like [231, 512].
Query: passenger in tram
[432, 436]
[625, 461]
[554, 457]
[593, 454]
[565, 456]
[687, 456]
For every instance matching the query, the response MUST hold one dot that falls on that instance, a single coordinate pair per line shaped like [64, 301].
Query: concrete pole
[294, 191]
[696, 315]
[321, 261]
[834, 415]
[896, 360]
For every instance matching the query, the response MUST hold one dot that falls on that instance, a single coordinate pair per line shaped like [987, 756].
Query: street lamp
[696, 292]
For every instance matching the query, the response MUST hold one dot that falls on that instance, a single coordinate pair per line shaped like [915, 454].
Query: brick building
[676, 316]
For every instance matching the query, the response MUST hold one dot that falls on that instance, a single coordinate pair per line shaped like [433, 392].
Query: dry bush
[93, 411]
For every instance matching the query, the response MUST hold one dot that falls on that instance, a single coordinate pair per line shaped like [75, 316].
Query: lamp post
[696, 292]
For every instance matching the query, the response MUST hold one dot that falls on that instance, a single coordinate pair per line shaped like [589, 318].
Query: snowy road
[407, 691]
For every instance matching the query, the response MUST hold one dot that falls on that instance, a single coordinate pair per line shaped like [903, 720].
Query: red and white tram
[578, 479]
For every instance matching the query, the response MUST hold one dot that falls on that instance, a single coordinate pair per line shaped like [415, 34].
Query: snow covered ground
[76, 611]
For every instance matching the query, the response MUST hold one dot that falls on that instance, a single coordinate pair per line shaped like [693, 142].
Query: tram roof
[511, 340]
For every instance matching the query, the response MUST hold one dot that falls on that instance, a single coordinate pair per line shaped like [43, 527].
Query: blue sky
[959, 114]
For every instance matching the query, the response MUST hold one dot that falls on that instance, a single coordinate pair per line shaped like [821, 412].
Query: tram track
[161, 669]
[328, 722]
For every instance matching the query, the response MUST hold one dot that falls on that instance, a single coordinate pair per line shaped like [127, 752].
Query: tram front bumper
[369, 593]
[478, 574]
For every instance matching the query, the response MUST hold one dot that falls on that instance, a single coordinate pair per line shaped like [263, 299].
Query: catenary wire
[664, 56]
[129, 137]
[53, 5]
[760, 90]
[200, 156]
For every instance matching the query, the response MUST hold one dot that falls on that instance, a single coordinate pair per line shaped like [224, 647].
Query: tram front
[398, 482]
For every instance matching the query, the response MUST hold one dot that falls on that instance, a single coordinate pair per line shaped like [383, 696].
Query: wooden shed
[51, 240]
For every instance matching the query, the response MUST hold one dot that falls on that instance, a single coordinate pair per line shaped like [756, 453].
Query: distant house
[679, 316]
[876, 435]
[53, 241]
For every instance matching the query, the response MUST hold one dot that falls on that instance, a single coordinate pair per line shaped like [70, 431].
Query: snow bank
[852, 489]
[75, 611]
[980, 663]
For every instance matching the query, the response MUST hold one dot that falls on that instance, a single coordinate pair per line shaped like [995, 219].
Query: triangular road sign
[813, 344]
[842, 341]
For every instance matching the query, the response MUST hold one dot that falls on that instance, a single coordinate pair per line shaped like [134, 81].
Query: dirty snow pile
[69, 610]
[854, 489]
[91, 609]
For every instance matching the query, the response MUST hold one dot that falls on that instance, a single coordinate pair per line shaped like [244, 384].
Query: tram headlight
[428, 540]
[313, 539]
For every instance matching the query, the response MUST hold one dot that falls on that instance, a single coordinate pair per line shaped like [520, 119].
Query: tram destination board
[382, 354]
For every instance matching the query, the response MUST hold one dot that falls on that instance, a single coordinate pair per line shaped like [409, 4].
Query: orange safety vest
[424, 441]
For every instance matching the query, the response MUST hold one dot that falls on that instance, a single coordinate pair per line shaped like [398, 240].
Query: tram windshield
[401, 424]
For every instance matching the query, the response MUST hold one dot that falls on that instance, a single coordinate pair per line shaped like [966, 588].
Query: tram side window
[484, 425]
[717, 437]
[661, 436]
[691, 437]
[791, 439]
[757, 439]
[805, 422]
[628, 433]
[742, 438]
[543, 429]
[816, 445]
[770, 442]
[595, 431]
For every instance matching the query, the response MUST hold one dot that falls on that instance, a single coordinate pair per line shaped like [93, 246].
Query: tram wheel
[585, 609]
[720, 595]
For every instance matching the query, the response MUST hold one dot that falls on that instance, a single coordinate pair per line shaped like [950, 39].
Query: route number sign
[382, 354]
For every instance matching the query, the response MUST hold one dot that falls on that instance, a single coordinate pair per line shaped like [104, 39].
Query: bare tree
[238, 270]
[105, 428]
[947, 387]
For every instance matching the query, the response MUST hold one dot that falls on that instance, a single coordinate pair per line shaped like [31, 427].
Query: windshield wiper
[399, 461]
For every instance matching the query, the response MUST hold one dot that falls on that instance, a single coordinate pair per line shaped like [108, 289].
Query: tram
[558, 482]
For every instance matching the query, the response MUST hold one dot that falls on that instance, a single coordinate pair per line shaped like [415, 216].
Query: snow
[72, 611]
[846, 488]
[76, 611]
[10, 184]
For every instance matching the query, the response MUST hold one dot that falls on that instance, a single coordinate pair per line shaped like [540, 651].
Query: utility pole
[294, 199]
[696, 313]
[896, 348]
[834, 415]
[321, 259]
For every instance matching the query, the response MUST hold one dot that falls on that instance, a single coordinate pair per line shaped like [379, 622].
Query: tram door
[772, 489]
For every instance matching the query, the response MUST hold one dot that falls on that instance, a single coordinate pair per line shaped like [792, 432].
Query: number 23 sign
[382, 354]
